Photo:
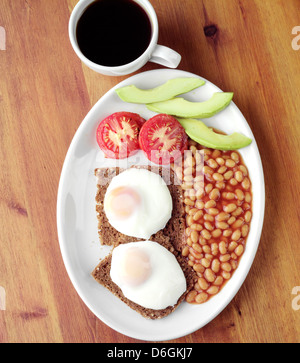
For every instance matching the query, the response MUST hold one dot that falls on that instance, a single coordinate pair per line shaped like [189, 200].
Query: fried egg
[148, 274]
[138, 203]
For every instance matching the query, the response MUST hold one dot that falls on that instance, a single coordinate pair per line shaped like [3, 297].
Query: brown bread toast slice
[102, 275]
[174, 229]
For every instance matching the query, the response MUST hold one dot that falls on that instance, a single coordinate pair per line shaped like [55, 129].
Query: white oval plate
[77, 222]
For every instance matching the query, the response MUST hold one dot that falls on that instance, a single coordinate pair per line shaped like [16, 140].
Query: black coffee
[113, 32]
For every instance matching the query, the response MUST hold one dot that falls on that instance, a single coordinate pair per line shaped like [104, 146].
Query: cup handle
[165, 56]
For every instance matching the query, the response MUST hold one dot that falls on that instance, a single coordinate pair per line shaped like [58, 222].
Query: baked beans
[218, 206]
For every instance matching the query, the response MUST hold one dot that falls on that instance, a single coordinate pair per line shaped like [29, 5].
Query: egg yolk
[123, 201]
[135, 267]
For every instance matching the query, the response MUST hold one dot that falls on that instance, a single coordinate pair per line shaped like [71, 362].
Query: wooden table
[45, 92]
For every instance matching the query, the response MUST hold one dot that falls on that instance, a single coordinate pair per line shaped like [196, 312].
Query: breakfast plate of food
[160, 205]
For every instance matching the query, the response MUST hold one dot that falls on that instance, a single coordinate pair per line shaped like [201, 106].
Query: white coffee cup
[154, 53]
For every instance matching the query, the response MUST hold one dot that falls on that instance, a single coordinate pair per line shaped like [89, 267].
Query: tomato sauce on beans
[218, 210]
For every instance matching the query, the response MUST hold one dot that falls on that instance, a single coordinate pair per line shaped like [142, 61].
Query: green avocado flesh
[166, 91]
[205, 136]
[183, 108]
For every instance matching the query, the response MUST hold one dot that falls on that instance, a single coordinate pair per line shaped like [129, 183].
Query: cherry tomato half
[163, 139]
[117, 134]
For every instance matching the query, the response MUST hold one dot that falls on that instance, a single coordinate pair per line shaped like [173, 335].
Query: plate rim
[65, 257]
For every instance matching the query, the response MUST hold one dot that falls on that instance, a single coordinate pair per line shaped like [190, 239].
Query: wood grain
[45, 92]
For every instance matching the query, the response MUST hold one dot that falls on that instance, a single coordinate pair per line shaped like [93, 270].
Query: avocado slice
[166, 91]
[183, 108]
[205, 136]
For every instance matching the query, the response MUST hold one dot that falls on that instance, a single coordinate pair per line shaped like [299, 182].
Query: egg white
[163, 287]
[155, 208]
